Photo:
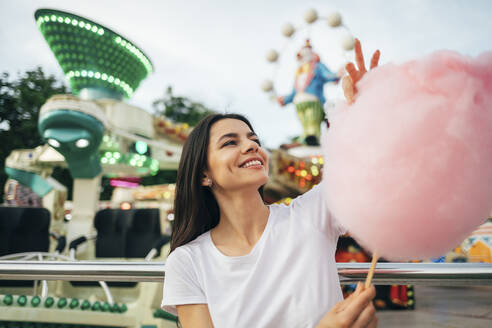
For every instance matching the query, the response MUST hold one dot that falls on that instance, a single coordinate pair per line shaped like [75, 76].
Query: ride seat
[125, 234]
[143, 233]
[111, 226]
[23, 229]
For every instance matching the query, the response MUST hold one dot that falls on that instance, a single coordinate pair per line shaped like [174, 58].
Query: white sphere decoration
[334, 19]
[310, 16]
[288, 30]
[348, 42]
[267, 85]
[272, 56]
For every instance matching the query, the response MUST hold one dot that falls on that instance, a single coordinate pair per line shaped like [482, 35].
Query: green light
[49, 302]
[85, 305]
[141, 147]
[136, 52]
[106, 307]
[22, 300]
[35, 301]
[62, 302]
[117, 60]
[96, 306]
[8, 299]
[74, 303]
[123, 308]
[115, 308]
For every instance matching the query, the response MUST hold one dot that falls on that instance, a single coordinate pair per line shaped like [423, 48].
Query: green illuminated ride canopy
[92, 56]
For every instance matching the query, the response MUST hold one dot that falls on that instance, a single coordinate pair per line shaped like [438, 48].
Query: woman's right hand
[356, 311]
[349, 82]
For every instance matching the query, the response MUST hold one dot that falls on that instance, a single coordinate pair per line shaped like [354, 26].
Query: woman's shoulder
[191, 249]
[312, 196]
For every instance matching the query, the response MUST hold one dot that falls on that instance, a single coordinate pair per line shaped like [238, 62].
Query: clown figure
[307, 94]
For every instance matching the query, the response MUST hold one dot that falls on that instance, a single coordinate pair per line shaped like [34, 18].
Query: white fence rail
[440, 274]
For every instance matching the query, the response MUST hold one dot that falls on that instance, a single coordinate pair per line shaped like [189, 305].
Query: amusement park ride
[94, 133]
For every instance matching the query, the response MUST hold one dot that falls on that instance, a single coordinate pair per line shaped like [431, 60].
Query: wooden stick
[375, 258]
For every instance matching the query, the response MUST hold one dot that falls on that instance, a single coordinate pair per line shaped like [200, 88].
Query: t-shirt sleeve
[312, 206]
[181, 285]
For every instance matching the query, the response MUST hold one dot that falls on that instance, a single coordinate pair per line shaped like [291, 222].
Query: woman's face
[235, 157]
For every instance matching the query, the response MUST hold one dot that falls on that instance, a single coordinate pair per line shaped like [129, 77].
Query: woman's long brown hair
[195, 208]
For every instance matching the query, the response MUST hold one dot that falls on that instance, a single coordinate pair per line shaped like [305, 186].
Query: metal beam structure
[436, 274]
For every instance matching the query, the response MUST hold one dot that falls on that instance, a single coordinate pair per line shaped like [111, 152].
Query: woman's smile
[253, 163]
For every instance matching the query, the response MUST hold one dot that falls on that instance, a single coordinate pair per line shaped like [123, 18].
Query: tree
[20, 102]
[180, 109]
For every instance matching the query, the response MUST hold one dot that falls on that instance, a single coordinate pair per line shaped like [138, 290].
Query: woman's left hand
[356, 311]
[349, 82]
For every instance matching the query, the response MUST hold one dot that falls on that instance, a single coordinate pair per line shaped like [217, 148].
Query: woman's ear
[206, 181]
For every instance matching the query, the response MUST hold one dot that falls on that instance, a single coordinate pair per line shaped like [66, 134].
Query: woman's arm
[194, 316]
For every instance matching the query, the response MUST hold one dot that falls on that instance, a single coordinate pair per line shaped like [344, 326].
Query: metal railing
[441, 274]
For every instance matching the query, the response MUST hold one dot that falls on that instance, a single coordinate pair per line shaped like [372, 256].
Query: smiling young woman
[236, 262]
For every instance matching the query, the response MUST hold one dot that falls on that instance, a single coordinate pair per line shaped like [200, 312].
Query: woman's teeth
[251, 163]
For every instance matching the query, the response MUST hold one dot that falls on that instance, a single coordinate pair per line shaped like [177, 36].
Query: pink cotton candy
[408, 167]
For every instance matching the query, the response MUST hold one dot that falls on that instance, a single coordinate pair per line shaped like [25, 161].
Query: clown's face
[305, 56]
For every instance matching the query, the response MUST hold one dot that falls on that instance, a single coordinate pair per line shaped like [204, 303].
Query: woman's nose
[250, 146]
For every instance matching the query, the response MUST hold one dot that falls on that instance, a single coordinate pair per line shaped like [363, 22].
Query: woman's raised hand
[356, 311]
[349, 81]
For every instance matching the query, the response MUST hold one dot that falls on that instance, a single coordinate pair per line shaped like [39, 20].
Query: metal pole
[437, 274]
[82, 271]
[432, 274]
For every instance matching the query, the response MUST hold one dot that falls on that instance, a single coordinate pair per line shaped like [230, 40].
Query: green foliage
[20, 102]
[180, 109]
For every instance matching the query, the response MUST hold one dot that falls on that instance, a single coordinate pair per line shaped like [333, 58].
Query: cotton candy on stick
[408, 166]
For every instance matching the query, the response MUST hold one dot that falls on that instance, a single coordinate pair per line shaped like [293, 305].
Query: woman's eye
[230, 142]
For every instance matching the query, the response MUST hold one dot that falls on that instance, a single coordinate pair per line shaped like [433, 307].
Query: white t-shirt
[289, 279]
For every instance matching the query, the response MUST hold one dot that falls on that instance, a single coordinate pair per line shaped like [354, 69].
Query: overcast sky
[214, 51]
